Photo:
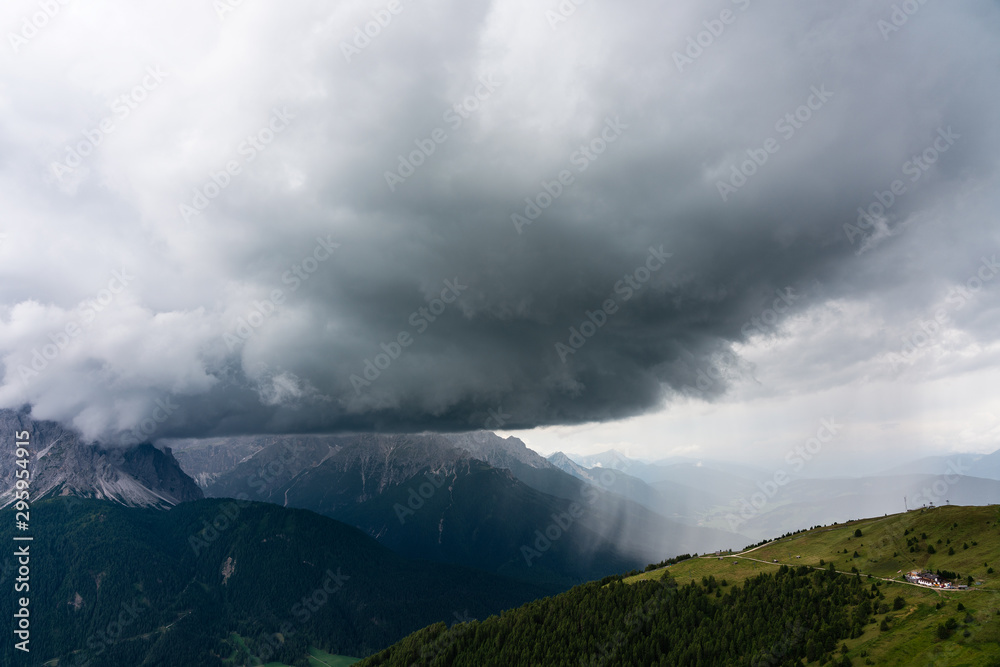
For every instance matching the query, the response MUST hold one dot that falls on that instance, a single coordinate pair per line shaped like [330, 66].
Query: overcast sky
[620, 224]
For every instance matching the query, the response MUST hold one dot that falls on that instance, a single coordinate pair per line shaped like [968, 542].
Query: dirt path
[778, 563]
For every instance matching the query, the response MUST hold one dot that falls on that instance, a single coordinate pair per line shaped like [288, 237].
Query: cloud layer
[406, 216]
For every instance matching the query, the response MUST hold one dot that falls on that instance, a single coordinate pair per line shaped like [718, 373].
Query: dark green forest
[112, 585]
[772, 619]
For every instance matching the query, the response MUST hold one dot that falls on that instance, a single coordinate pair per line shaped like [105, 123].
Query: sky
[669, 228]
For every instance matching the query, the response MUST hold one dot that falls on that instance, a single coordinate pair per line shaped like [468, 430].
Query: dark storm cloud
[745, 159]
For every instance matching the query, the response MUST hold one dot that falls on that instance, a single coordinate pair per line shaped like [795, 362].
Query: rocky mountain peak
[63, 465]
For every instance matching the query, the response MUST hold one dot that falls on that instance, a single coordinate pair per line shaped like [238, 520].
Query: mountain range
[469, 523]
[472, 499]
[63, 465]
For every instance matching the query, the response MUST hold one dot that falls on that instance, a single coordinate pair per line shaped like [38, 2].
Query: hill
[986, 466]
[829, 595]
[215, 582]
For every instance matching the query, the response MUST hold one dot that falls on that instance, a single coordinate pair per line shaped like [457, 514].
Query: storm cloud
[402, 216]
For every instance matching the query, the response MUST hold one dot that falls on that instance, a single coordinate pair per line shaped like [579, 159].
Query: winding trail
[779, 563]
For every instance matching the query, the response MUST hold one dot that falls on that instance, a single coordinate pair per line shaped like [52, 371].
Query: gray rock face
[566, 464]
[209, 458]
[510, 453]
[63, 465]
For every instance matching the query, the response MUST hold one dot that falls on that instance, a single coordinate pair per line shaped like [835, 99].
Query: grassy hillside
[833, 595]
[884, 552]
